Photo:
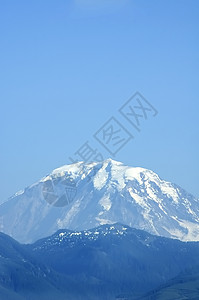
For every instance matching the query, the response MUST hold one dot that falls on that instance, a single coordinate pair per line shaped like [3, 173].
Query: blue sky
[68, 66]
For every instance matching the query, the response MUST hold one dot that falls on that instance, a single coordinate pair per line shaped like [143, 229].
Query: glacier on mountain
[81, 196]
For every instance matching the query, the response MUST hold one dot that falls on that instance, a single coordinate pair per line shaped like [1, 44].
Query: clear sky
[67, 66]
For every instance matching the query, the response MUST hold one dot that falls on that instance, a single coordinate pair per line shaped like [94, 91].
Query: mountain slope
[23, 277]
[115, 259]
[184, 287]
[82, 196]
[108, 262]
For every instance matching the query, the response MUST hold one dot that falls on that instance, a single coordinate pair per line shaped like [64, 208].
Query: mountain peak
[112, 161]
[81, 196]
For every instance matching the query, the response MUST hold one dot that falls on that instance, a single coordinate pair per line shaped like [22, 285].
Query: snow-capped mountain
[81, 196]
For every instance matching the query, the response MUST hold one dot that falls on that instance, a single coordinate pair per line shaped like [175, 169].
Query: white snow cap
[101, 193]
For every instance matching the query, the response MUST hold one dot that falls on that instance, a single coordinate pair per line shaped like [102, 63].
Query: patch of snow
[105, 202]
[61, 234]
[19, 193]
[139, 200]
[168, 189]
[75, 233]
[100, 179]
[62, 223]
[134, 173]
[104, 221]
